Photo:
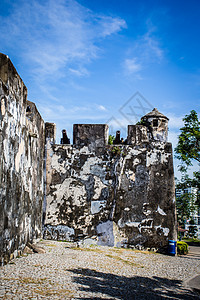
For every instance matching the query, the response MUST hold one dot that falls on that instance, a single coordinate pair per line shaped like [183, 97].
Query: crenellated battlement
[153, 127]
[117, 195]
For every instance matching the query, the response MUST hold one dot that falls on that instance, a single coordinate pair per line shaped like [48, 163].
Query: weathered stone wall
[114, 195]
[92, 135]
[118, 195]
[21, 164]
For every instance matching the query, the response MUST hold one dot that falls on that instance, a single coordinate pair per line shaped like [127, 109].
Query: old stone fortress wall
[116, 195]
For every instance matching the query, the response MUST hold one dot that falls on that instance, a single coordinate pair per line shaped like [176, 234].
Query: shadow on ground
[121, 287]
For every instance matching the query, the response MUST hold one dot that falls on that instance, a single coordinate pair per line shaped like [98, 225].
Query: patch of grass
[190, 240]
[119, 250]
[88, 249]
[51, 292]
[134, 250]
[115, 250]
[51, 245]
[122, 250]
[30, 280]
[63, 241]
[80, 249]
[8, 279]
[92, 245]
[27, 280]
[128, 262]
[144, 251]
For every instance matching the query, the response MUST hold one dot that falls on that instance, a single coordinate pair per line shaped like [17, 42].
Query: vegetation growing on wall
[111, 139]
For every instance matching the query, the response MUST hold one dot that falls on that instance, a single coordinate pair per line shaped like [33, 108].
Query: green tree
[196, 183]
[188, 151]
[192, 229]
[186, 206]
[188, 147]
[183, 208]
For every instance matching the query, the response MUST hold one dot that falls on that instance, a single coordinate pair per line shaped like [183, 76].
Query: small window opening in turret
[155, 123]
[28, 109]
[64, 140]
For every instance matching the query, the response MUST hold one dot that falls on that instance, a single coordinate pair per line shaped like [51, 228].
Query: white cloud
[73, 113]
[79, 72]
[153, 47]
[101, 107]
[111, 25]
[117, 123]
[173, 138]
[175, 122]
[53, 35]
[145, 50]
[131, 66]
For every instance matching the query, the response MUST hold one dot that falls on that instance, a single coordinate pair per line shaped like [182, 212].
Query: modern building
[195, 215]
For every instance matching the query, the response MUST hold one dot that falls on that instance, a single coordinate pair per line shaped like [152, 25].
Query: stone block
[137, 134]
[50, 132]
[92, 135]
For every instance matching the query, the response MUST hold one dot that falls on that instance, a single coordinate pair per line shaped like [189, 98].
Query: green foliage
[142, 122]
[188, 147]
[192, 222]
[196, 183]
[188, 150]
[189, 200]
[192, 229]
[116, 151]
[183, 208]
[111, 139]
[145, 123]
[182, 248]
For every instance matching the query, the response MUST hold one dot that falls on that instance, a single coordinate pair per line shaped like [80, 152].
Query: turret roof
[155, 113]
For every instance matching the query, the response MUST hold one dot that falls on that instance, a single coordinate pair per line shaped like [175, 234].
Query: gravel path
[64, 272]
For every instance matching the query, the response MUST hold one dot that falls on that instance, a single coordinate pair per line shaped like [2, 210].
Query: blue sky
[83, 60]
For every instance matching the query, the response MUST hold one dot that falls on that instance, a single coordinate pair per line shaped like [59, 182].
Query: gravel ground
[65, 272]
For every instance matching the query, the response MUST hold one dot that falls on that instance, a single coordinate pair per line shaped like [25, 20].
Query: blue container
[172, 247]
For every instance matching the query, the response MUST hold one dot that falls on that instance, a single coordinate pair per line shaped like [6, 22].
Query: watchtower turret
[157, 125]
